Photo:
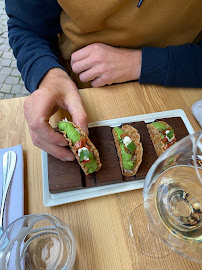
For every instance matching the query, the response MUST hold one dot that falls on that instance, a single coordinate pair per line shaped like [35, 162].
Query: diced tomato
[164, 140]
[85, 161]
[123, 135]
[87, 146]
[126, 149]
[81, 143]
[84, 140]
[169, 144]
[78, 144]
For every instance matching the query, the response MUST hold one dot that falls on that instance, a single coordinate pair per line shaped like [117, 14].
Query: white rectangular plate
[83, 194]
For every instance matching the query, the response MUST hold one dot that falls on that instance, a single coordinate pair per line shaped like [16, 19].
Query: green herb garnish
[170, 133]
[131, 146]
[85, 153]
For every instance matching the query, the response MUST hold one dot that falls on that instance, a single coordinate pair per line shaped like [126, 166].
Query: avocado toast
[85, 152]
[162, 136]
[129, 149]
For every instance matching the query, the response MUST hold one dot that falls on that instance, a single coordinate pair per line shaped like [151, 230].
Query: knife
[9, 162]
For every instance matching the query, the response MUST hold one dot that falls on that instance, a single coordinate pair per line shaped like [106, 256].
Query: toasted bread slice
[155, 136]
[135, 137]
[89, 144]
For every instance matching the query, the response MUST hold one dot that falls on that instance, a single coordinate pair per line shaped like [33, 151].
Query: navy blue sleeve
[32, 30]
[179, 66]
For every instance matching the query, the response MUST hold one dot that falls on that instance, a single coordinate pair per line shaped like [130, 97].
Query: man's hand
[55, 91]
[102, 64]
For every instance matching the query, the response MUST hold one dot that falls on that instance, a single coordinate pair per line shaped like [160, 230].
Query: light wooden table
[100, 225]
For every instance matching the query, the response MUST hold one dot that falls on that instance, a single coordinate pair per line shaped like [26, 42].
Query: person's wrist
[58, 87]
[137, 64]
[57, 81]
[54, 77]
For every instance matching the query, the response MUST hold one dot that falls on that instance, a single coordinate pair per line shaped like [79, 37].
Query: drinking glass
[172, 196]
[37, 242]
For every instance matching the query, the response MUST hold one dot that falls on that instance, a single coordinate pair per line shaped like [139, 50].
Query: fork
[9, 162]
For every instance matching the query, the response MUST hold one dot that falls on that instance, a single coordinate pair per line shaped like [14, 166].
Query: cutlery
[9, 162]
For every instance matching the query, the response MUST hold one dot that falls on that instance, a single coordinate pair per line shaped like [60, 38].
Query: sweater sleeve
[179, 66]
[32, 30]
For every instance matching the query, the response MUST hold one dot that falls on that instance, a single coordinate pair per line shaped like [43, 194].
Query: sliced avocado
[126, 157]
[119, 131]
[91, 166]
[71, 132]
[159, 126]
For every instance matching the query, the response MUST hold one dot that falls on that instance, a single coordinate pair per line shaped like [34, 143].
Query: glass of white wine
[172, 196]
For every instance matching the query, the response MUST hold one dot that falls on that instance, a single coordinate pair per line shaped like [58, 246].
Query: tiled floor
[11, 84]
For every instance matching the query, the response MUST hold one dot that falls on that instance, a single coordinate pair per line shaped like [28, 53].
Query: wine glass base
[143, 236]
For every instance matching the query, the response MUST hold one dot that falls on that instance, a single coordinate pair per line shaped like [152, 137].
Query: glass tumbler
[37, 242]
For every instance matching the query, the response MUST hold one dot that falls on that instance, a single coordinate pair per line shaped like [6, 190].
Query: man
[100, 42]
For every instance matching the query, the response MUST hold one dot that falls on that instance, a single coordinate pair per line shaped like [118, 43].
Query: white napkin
[15, 197]
[197, 111]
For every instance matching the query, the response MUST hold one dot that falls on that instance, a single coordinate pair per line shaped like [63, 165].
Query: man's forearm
[179, 66]
[33, 41]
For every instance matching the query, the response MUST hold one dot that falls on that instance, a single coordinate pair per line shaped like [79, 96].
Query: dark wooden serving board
[68, 176]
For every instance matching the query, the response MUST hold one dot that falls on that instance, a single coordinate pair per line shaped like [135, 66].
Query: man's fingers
[76, 108]
[80, 120]
[82, 65]
[85, 129]
[46, 132]
[39, 125]
[91, 74]
[56, 91]
[80, 55]
[60, 152]
[98, 82]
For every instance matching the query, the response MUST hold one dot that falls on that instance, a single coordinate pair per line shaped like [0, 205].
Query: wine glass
[172, 196]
